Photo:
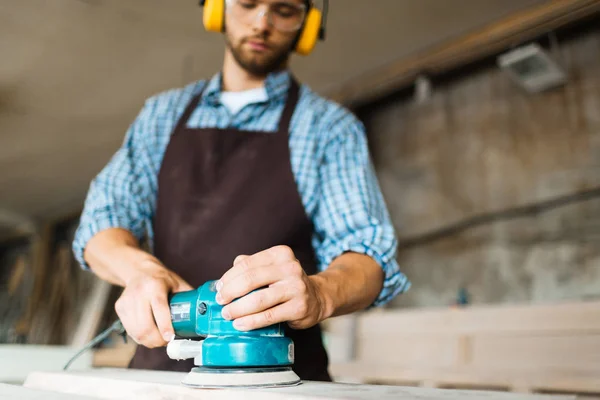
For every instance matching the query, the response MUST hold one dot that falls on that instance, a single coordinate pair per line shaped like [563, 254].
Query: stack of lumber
[527, 348]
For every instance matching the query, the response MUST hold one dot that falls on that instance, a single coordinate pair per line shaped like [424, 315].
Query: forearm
[115, 255]
[351, 283]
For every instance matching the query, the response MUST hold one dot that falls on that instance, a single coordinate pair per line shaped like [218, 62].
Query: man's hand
[144, 307]
[289, 295]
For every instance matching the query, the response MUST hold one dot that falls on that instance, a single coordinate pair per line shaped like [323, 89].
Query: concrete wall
[482, 145]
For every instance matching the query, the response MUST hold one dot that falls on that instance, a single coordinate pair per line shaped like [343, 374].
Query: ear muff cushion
[310, 32]
[213, 15]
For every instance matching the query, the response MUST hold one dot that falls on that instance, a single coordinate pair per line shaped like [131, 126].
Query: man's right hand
[143, 307]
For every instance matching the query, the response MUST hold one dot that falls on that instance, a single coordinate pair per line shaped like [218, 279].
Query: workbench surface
[16, 392]
[155, 385]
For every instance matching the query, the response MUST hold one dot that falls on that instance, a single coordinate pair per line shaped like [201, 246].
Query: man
[249, 179]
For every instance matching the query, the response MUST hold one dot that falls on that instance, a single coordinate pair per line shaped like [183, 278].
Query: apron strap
[181, 124]
[290, 106]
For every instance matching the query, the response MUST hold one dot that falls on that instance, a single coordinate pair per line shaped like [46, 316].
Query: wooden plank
[27, 358]
[507, 32]
[393, 348]
[12, 392]
[579, 354]
[563, 380]
[525, 348]
[151, 385]
[563, 317]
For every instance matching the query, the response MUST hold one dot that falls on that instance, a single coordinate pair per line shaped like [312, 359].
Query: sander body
[224, 356]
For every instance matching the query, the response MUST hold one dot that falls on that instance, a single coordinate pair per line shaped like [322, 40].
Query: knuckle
[302, 309]
[260, 301]
[239, 258]
[283, 252]
[301, 288]
[153, 285]
[300, 325]
[150, 344]
[243, 263]
[294, 268]
[269, 316]
[293, 325]
[148, 340]
[249, 277]
[144, 333]
[157, 299]
[287, 252]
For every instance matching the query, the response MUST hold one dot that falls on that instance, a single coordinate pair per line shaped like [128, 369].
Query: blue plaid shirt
[329, 158]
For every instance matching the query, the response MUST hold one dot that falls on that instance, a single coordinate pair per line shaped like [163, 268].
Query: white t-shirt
[235, 101]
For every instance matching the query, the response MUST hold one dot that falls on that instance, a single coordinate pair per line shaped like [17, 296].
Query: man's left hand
[289, 295]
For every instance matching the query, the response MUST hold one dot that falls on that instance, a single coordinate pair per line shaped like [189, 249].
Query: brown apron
[226, 192]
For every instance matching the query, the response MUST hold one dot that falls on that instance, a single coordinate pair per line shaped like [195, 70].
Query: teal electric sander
[224, 357]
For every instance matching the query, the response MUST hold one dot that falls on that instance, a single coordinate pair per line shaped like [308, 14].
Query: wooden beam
[491, 39]
[92, 313]
[40, 259]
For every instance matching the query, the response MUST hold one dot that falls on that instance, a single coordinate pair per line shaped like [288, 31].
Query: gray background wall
[480, 145]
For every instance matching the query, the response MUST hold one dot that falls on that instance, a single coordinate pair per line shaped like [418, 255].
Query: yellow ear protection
[214, 15]
[313, 27]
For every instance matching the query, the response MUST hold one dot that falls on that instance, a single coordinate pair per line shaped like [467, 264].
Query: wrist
[324, 297]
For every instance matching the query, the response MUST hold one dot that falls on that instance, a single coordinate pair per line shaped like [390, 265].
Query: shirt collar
[276, 86]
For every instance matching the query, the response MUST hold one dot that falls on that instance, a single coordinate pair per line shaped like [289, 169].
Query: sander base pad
[263, 377]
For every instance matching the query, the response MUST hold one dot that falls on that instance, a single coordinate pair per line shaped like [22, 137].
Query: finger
[237, 260]
[244, 263]
[262, 258]
[251, 279]
[255, 302]
[146, 331]
[123, 314]
[162, 316]
[280, 313]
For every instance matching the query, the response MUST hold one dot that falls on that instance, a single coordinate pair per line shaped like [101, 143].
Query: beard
[259, 64]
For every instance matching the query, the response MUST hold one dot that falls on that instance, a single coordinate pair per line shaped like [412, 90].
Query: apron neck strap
[290, 106]
[181, 124]
[284, 121]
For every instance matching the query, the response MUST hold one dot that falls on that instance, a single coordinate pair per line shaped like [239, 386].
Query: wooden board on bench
[154, 385]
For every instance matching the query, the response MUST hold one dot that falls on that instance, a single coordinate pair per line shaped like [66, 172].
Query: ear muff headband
[312, 29]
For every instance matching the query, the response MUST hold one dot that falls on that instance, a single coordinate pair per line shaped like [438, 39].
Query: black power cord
[117, 327]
